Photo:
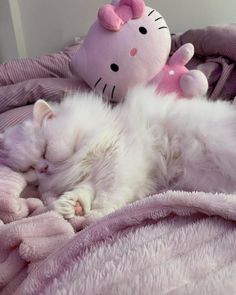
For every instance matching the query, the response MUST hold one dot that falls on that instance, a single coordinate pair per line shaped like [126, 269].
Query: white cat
[84, 151]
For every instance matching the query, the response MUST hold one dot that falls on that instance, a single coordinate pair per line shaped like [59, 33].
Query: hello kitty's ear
[42, 112]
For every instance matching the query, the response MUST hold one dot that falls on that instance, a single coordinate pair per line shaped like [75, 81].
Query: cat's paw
[75, 202]
[68, 206]
[78, 209]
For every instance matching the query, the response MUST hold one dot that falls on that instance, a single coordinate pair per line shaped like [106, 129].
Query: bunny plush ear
[113, 16]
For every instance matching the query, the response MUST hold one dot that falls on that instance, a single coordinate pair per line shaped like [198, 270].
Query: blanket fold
[12, 207]
[211, 40]
[167, 244]
[29, 241]
[216, 60]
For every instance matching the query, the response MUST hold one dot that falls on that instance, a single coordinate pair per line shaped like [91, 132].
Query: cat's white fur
[105, 158]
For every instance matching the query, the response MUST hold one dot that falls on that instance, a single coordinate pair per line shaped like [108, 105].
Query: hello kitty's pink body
[168, 79]
[129, 44]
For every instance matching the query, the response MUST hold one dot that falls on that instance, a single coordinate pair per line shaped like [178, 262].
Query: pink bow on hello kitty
[112, 17]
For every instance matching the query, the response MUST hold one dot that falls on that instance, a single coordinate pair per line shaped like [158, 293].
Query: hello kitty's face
[111, 62]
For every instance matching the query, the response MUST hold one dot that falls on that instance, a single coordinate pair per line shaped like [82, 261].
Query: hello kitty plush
[130, 44]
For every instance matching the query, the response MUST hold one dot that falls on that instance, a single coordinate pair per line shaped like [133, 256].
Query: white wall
[51, 24]
[182, 15]
[44, 26]
[7, 37]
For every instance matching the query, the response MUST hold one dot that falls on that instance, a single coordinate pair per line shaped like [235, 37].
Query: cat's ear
[42, 112]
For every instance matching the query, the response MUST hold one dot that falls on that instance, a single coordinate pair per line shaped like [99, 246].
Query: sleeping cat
[103, 158]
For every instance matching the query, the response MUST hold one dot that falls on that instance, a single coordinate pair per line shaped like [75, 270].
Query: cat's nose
[42, 167]
[133, 51]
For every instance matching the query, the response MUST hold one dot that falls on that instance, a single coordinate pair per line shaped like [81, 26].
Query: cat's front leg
[102, 206]
[70, 201]
[97, 214]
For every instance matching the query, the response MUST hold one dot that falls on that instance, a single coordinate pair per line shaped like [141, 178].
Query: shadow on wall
[7, 38]
[182, 15]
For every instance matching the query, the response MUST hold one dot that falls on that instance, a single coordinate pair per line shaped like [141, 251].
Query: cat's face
[40, 144]
[111, 62]
[50, 148]
[67, 131]
[21, 146]
[59, 140]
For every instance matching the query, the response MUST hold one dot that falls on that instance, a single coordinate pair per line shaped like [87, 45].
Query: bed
[169, 243]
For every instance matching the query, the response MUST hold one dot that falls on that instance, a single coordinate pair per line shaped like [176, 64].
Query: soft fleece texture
[12, 207]
[171, 243]
[25, 242]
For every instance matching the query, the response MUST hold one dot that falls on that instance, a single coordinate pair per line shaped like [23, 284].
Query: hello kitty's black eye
[114, 67]
[143, 30]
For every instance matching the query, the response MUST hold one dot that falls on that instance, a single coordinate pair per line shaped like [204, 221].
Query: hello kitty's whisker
[158, 18]
[151, 12]
[113, 91]
[164, 27]
[97, 82]
[104, 88]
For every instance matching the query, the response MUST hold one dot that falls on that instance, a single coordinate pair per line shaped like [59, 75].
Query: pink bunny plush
[129, 44]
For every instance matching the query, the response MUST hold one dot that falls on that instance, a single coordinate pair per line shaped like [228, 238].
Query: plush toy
[130, 44]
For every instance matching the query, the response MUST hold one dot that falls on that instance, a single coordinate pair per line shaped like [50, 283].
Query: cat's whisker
[99, 80]
[65, 164]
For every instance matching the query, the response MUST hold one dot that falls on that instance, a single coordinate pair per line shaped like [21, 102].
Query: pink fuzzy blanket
[170, 243]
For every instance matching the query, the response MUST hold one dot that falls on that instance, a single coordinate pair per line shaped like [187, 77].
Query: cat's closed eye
[44, 153]
[56, 156]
